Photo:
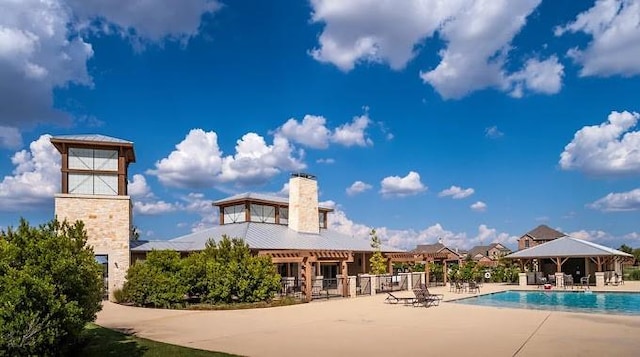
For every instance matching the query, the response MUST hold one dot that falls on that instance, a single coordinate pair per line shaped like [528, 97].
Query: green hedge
[50, 288]
[226, 272]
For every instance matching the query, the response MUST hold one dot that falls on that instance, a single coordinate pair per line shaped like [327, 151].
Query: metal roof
[567, 247]
[92, 137]
[249, 196]
[145, 245]
[268, 236]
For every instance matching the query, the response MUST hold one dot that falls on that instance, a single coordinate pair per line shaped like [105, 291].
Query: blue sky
[471, 121]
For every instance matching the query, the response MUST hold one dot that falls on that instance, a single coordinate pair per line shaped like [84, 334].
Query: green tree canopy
[625, 248]
[50, 287]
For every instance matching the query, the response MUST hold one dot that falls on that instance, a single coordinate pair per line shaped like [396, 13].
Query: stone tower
[94, 190]
[303, 203]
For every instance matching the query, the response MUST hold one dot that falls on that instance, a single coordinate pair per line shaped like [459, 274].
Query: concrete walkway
[366, 326]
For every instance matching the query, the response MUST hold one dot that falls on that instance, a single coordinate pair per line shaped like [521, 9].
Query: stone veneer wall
[303, 205]
[107, 220]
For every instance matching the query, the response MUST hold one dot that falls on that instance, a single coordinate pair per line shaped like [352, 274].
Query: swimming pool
[573, 301]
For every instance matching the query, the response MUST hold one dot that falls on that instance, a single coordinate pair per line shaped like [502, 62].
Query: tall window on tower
[263, 213]
[93, 171]
[234, 214]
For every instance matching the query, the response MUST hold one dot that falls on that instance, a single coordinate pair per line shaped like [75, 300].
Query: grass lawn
[101, 341]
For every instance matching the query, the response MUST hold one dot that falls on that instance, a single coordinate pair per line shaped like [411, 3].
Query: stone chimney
[303, 203]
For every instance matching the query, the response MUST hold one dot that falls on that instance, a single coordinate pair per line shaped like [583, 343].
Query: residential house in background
[488, 254]
[540, 234]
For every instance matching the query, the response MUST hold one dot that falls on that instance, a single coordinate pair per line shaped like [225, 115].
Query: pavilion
[572, 256]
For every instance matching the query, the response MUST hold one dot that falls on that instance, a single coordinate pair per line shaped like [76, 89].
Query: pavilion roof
[567, 247]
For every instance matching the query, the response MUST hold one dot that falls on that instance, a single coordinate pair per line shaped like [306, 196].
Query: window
[322, 217]
[92, 184]
[526, 243]
[263, 213]
[234, 214]
[93, 159]
[284, 215]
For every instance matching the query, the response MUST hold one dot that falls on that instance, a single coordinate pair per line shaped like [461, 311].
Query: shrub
[231, 274]
[120, 296]
[50, 287]
[156, 281]
[634, 274]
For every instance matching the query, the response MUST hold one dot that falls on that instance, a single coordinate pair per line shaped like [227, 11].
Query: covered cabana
[571, 256]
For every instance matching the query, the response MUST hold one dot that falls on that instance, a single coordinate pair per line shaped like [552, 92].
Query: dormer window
[263, 213]
[234, 214]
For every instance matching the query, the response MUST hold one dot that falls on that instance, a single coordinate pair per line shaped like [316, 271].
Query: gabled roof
[259, 197]
[567, 247]
[434, 248]
[544, 232]
[483, 249]
[92, 138]
[266, 236]
[430, 248]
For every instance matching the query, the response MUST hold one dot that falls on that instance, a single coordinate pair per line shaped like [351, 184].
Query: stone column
[599, 279]
[522, 279]
[352, 286]
[560, 279]
[374, 283]
[340, 286]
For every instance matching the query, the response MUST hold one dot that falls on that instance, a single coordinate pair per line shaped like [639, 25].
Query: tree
[625, 248]
[378, 262]
[50, 288]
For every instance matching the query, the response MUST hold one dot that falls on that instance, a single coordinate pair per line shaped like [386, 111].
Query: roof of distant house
[544, 232]
[483, 249]
[265, 236]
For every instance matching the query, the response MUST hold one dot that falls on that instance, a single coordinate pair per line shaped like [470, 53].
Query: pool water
[592, 302]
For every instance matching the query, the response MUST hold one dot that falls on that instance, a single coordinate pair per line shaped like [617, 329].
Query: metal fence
[290, 287]
[388, 283]
[328, 288]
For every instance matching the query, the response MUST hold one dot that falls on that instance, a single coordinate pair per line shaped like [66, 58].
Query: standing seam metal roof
[92, 137]
[268, 236]
[567, 247]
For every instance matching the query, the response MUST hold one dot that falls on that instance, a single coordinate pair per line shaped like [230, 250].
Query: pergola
[562, 249]
[419, 257]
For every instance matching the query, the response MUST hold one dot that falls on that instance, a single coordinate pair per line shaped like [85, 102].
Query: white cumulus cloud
[38, 52]
[621, 201]
[477, 36]
[402, 186]
[479, 206]
[138, 187]
[493, 132]
[457, 192]
[611, 148]
[10, 137]
[152, 20]
[198, 162]
[358, 187]
[35, 179]
[614, 30]
[353, 133]
[311, 132]
[153, 207]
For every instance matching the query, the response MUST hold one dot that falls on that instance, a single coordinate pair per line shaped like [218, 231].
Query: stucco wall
[107, 220]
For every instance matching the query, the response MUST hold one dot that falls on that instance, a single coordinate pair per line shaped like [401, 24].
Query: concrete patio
[366, 326]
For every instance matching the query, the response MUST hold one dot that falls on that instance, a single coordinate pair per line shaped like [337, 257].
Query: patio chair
[473, 287]
[568, 281]
[460, 287]
[551, 278]
[617, 279]
[584, 281]
[452, 286]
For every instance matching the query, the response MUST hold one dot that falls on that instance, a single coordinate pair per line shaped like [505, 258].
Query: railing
[290, 287]
[328, 288]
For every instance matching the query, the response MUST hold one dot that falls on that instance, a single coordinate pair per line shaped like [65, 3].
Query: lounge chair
[424, 298]
[392, 299]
